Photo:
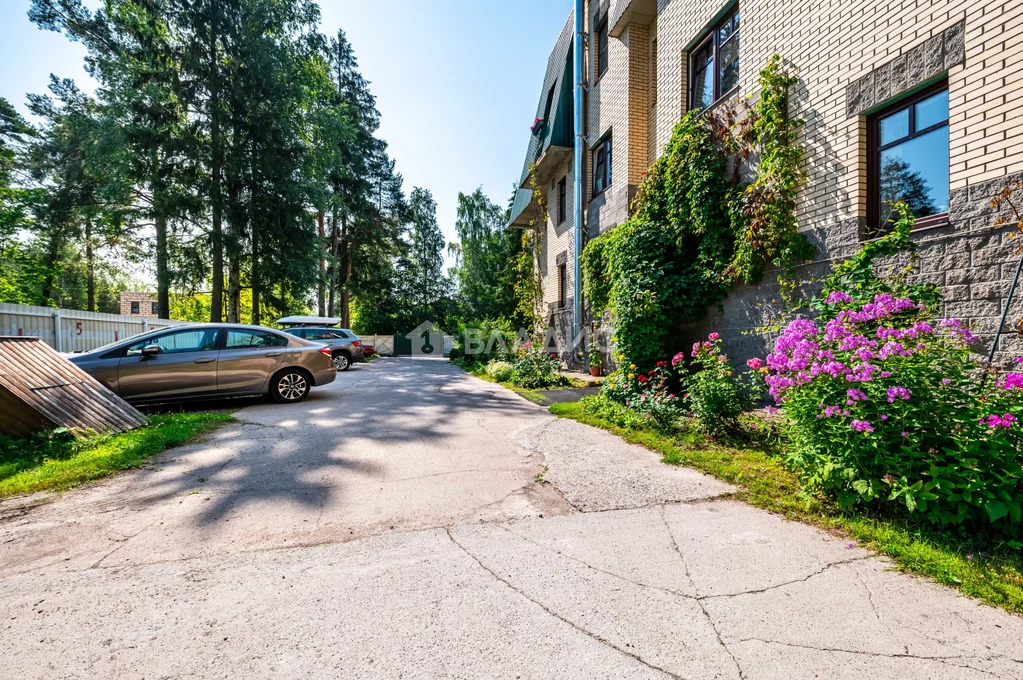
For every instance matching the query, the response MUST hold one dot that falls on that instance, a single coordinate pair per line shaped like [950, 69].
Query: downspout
[577, 312]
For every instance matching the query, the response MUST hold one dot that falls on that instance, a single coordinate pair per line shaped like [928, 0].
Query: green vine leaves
[698, 226]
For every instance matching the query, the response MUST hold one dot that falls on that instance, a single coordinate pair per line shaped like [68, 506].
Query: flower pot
[595, 371]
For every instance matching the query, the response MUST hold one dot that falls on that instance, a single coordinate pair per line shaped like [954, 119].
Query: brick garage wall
[145, 301]
[833, 46]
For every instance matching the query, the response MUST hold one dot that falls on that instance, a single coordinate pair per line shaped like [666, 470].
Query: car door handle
[274, 354]
[205, 360]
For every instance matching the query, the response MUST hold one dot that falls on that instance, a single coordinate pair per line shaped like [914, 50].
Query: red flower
[662, 364]
[642, 378]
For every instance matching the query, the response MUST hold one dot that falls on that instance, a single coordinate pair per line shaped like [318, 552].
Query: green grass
[58, 461]
[978, 565]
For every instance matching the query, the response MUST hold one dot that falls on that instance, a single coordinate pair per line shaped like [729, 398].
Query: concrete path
[411, 521]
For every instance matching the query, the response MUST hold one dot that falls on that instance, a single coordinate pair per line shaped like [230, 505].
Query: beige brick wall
[558, 239]
[832, 44]
[607, 111]
[145, 301]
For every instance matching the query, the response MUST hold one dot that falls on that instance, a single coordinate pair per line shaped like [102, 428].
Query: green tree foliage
[421, 282]
[231, 148]
[485, 258]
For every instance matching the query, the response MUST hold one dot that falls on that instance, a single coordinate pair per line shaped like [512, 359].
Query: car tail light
[355, 343]
[326, 352]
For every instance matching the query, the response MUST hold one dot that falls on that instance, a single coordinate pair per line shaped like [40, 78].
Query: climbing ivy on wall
[698, 227]
[664, 264]
[766, 220]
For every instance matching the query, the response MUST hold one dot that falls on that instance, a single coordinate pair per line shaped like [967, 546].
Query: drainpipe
[577, 312]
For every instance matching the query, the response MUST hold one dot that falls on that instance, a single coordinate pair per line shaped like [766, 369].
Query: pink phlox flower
[861, 426]
[837, 296]
[995, 420]
[714, 336]
[898, 392]
[1013, 381]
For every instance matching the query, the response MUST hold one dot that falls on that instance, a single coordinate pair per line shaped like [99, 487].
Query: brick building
[139, 304]
[931, 89]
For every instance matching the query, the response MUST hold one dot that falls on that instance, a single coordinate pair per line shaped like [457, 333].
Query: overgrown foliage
[712, 393]
[698, 227]
[536, 368]
[767, 232]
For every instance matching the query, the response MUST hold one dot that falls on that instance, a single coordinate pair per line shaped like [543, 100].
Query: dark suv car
[345, 347]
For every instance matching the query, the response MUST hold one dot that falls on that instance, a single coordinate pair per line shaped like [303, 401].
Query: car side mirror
[150, 351]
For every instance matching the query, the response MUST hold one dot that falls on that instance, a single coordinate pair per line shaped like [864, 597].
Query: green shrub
[535, 368]
[482, 340]
[617, 414]
[500, 371]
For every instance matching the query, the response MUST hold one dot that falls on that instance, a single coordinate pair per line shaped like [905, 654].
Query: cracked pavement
[392, 526]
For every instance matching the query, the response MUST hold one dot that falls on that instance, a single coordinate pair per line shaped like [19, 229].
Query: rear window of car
[242, 339]
[319, 335]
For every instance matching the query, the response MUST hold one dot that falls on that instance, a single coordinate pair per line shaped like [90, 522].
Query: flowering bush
[886, 405]
[715, 397]
[651, 393]
[536, 368]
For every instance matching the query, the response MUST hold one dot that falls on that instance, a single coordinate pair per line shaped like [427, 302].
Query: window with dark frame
[155, 309]
[562, 200]
[908, 160]
[714, 63]
[134, 308]
[602, 46]
[602, 166]
[562, 284]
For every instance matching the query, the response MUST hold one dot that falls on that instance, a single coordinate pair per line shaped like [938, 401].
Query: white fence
[384, 344]
[68, 330]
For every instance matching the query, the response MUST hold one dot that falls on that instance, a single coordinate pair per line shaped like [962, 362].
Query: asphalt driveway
[412, 521]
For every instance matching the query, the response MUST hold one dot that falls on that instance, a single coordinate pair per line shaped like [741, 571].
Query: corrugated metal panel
[40, 389]
[79, 331]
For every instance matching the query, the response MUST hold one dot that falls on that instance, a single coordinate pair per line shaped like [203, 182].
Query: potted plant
[595, 360]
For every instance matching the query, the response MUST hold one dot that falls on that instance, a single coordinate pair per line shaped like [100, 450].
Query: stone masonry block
[954, 261]
[934, 56]
[963, 309]
[988, 291]
[956, 293]
[955, 45]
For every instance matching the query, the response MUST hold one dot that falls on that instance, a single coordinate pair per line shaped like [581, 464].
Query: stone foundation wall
[971, 260]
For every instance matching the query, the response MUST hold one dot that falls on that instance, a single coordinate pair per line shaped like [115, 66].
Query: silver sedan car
[210, 360]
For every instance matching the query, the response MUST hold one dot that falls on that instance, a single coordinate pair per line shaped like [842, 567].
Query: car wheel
[342, 362]
[290, 386]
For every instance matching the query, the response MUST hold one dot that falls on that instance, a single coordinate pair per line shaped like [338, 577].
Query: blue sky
[457, 81]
